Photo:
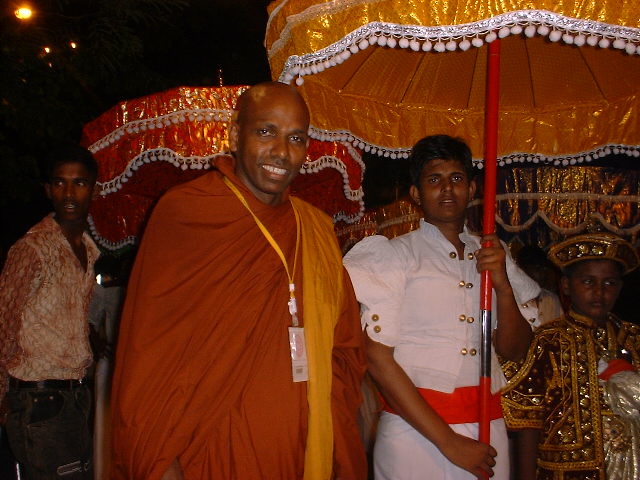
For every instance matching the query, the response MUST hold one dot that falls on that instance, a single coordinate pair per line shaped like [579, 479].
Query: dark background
[125, 49]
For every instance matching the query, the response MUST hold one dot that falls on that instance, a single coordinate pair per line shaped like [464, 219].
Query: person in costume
[240, 353]
[576, 397]
[45, 289]
[420, 296]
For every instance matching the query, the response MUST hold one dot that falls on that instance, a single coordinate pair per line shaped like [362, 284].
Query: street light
[23, 13]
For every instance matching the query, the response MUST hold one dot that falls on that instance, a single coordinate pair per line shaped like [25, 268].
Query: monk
[240, 354]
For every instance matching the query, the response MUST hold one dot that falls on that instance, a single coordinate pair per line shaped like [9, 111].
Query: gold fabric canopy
[384, 73]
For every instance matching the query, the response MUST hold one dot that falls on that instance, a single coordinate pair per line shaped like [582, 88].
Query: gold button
[470, 256]
[469, 285]
[473, 351]
[452, 255]
[461, 283]
[377, 329]
[463, 351]
[462, 317]
[375, 317]
[470, 319]
[525, 305]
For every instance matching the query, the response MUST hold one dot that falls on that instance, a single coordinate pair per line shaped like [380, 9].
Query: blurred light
[47, 50]
[73, 44]
[23, 13]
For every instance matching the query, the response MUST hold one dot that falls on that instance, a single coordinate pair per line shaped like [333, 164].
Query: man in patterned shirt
[45, 288]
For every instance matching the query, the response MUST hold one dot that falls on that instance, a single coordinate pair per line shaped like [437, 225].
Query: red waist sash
[616, 365]
[460, 406]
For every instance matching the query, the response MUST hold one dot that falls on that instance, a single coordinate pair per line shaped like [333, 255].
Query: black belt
[45, 384]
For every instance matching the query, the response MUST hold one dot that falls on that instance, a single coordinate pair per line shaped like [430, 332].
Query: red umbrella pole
[490, 160]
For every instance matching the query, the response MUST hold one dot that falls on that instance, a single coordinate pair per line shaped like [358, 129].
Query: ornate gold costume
[557, 390]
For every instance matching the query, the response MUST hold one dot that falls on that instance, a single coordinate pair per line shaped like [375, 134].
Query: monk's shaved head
[254, 96]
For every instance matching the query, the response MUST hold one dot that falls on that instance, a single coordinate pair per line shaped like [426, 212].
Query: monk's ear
[234, 132]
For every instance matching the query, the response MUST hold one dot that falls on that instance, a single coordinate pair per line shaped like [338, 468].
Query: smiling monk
[240, 353]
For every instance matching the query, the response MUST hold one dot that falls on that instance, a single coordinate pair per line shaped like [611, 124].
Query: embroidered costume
[557, 390]
[578, 384]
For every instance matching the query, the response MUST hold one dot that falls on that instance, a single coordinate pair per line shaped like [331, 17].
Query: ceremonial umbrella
[146, 145]
[384, 73]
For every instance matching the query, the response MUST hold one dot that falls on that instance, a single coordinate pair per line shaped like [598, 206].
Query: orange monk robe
[203, 369]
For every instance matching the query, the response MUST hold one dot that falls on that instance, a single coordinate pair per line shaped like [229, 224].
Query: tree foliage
[46, 96]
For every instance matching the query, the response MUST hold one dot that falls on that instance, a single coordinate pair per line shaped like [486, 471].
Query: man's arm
[21, 268]
[402, 395]
[513, 334]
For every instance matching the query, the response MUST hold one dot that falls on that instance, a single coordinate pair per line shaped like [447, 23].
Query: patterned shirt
[44, 297]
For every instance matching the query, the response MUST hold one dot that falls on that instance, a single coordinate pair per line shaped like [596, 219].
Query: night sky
[200, 39]
[207, 36]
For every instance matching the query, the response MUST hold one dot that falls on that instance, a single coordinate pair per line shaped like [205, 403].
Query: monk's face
[269, 140]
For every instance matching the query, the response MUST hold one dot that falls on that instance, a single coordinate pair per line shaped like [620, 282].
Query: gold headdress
[595, 246]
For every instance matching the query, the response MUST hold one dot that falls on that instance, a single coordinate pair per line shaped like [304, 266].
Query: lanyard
[293, 307]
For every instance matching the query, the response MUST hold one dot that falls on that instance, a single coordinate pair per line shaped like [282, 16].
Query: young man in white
[420, 296]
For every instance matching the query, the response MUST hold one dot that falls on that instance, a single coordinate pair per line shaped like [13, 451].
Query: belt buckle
[69, 468]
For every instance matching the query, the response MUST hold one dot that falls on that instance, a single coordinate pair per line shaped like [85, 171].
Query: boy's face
[444, 193]
[593, 288]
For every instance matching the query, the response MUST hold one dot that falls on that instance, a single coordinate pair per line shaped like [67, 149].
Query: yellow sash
[323, 300]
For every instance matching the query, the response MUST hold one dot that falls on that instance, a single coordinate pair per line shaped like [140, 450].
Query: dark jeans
[49, 433]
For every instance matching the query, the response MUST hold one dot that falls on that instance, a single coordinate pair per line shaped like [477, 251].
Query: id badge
[298, 346]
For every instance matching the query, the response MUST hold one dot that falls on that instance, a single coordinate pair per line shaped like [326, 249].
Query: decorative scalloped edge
[198, 163]
[107, 244]
[632, 231]
[596, 197]
[514, 157]
[154, 155]
[378, 227]
[204, 162]
[451, 37]
[159, 122]
[448, 38]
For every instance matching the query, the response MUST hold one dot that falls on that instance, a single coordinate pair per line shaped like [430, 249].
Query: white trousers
[401, 453]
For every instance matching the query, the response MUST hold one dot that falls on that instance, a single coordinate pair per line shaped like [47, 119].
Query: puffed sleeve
[525, 290]
[378, 275]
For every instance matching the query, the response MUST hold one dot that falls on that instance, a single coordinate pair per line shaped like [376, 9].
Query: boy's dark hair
[569, 270]
[63, 154]
[439, 147]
